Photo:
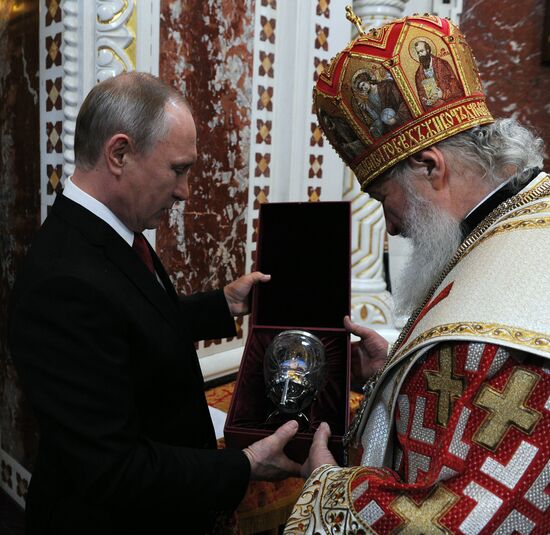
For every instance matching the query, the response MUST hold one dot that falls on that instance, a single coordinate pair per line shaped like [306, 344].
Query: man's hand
[236, 292]
[369, 354]
[267, 460]
[319, 453]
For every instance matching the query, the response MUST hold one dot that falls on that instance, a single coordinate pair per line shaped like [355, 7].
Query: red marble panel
[19, 197]
[506, 41]
[206, 51]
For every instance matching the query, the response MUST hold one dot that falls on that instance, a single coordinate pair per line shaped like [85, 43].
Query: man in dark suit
[104, 346]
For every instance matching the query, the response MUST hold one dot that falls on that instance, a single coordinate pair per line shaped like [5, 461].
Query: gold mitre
[396, 90]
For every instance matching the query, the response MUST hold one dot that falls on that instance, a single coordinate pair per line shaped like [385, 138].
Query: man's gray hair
[132, 103]
[496, 151]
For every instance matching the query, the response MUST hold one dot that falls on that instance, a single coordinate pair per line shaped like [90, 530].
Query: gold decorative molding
[116, 30]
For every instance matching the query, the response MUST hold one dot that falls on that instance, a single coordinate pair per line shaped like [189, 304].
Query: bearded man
[452, 434]
[435, 80]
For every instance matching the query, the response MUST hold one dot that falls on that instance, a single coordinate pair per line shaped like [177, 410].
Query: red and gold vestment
[455, 437]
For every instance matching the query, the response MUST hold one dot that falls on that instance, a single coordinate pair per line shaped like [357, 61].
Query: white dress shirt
[73, 192]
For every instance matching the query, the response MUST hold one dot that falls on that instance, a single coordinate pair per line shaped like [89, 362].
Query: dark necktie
[142, 249]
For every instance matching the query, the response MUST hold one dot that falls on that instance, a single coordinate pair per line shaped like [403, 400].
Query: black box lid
[306, 249]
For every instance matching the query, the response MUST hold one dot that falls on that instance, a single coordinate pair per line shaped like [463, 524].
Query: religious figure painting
[435, 80]
[377, 101]
[342, 135]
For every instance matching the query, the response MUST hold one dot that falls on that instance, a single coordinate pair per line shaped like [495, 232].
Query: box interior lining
[252, 407]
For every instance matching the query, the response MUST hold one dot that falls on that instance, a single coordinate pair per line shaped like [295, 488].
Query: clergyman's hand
[236, 292]
[319, 453]
[267, 459]
[369, 354]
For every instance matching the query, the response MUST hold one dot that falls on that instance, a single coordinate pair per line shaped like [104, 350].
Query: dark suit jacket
[107, 359]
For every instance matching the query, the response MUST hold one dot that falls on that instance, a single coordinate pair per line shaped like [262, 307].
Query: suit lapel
[123, 257]
[128, 262]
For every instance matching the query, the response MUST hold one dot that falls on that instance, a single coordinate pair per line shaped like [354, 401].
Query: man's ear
[430, 163]
[117, 149]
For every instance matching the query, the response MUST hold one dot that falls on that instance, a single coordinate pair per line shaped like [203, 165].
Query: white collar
[79, 196]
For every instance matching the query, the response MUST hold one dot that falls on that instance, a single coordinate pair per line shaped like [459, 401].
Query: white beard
[435, 238]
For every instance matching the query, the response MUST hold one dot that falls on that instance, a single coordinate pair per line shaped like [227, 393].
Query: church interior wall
[206, 51]
[506, 38]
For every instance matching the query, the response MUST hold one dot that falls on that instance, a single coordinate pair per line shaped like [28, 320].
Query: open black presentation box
[306, 249]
